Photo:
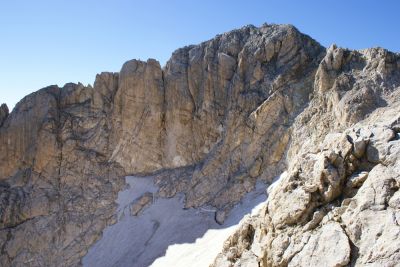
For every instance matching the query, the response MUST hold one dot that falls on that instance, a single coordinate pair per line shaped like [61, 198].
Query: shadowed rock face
[3, 113]
[219, 116]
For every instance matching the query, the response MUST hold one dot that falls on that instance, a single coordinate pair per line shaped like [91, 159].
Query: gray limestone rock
[244, 106]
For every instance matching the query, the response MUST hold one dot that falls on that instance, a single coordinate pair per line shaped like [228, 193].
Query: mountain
[222, 116]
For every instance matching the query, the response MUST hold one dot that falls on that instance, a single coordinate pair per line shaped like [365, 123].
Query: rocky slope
[242, 107]
[338, 204]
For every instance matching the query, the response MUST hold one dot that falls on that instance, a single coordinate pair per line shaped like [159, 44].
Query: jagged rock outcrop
[242, 107]
[3, 113]
[57, 187]
[333, 207]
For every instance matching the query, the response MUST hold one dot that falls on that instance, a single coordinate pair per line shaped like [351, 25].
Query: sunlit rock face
[336, 206]
[220, 116]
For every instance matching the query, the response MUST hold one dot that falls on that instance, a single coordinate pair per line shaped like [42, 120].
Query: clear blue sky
[55, 42]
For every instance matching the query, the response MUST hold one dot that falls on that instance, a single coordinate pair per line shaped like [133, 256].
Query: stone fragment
[138, 205]
[359, 147]
[220, 216]
[357, 180]
[329, 246]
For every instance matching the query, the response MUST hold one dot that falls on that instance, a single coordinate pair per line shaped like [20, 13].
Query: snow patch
[166, 234]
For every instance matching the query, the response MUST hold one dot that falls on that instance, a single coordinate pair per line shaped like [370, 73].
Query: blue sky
[60, 41]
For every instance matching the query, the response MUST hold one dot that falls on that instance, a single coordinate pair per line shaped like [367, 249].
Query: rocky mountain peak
[219, 118]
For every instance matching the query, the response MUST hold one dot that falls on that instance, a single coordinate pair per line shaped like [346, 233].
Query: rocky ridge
[336, 204]
[244, 106]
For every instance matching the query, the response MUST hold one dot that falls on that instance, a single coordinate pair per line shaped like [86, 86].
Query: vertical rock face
[242, 107]
[238, 95]
[3, 113]
[138, 117]
[57, 185]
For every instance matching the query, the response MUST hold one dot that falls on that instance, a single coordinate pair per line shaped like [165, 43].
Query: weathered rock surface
[336, 205]
[57, 186]
[242, 107]
[3, 113]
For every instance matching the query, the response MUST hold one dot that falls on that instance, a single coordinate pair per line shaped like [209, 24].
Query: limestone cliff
[244, 106]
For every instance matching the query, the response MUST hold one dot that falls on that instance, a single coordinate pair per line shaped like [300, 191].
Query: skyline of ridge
[47, 43]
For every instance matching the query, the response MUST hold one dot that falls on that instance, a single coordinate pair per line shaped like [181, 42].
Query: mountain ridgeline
[240, 108]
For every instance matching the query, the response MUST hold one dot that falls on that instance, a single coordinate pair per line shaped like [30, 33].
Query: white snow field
[165, 234]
